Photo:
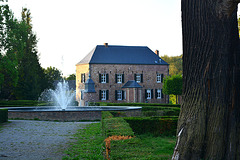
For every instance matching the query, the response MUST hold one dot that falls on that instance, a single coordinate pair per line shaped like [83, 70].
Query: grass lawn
[89, 144]
[143, 147]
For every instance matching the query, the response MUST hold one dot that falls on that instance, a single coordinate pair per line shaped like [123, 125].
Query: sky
[68, 30]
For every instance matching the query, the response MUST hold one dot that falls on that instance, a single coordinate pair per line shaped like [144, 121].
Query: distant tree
[173, 85]
[71, 77]
[29, 69]
[53, 73]
[8, 60]
[175, 62]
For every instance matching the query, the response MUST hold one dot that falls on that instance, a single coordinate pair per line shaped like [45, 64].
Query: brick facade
[129, 71]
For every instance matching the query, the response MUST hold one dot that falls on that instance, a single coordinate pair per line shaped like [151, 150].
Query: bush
[19, 103]
[158, 126]
[3, 115]
[136, 104]
[115, 126]
[160, 111]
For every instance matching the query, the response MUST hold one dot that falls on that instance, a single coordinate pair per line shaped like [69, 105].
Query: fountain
[62, 96]
[62, 111]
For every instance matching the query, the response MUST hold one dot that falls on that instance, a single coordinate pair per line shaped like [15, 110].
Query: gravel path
[36, 140]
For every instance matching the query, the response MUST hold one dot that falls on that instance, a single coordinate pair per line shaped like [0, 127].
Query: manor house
[116, 74]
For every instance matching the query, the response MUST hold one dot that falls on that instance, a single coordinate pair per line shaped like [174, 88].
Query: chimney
[157, 53]
[106, 45]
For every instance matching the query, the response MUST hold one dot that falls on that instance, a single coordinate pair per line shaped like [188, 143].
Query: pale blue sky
[68, 30]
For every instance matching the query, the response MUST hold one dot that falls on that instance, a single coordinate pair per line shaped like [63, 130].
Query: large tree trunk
[209, 122]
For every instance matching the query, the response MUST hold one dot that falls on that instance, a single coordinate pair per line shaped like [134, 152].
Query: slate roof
[131, 84]
[115, 54]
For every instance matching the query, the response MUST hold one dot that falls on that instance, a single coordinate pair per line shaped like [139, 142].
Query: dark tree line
[21, 75]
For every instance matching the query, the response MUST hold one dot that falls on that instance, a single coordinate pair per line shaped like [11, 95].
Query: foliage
[239, 26]
[21, 75]
[20, 103]
[30, 72]
[158, 126]
[115, 126]
[53, 73]
[142, 147]
[172, 85]
[133, 104]
[3, 115]
[8, 60]
[71, 77]
[88, 144]
[175, 62]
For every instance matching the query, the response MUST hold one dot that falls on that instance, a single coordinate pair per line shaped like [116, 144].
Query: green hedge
[115, 126]
[160, 111]
[20, 103]
[134, 104]
[3, 115]
[165, 126]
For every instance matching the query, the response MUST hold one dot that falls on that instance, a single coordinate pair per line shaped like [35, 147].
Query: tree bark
[209, 121]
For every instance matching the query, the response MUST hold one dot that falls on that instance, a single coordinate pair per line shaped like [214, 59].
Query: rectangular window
[159, 78]
[119, 95]
[159, 93]
[149, 96]
[103, 95]
[138, 78]
[82, 77]
[103, 78]
[119, 78]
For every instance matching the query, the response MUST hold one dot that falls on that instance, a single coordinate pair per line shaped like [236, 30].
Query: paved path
[36, 140]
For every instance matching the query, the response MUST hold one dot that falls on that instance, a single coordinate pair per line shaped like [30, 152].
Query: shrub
[3, 115]
[165, 125]
[115, 126]
[160, 111]
[20, 103]
[136, 104]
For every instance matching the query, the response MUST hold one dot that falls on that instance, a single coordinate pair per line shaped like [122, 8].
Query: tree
[52, 74]
[30, 72]
[175, 62]
[209, 121]
[71, 77]
[8, 59]
[173, 85]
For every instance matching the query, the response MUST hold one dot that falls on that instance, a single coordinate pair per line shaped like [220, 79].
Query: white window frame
[119, 95]
[138, 78]
[159, 94]
[83, 77]
[119, 78]
[104, 78]
[159, 78]
[149, 96]
[104, 94]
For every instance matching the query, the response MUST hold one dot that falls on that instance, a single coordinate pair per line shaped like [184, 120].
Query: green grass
[89, 144]
[143, 147]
